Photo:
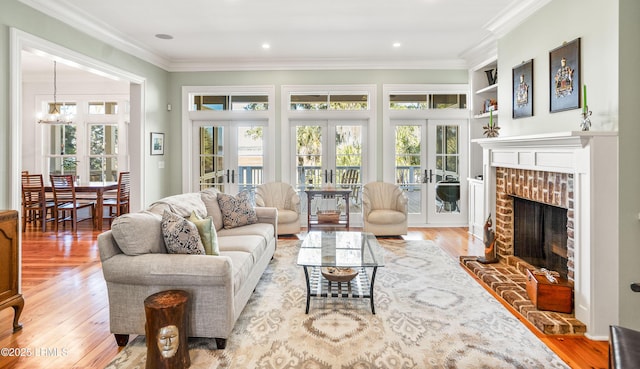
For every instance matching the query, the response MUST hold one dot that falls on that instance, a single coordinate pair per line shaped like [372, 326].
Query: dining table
[99, 188]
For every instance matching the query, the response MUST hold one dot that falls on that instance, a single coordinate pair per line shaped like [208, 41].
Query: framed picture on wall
[157, 143]
[564, 77]
[522, 78]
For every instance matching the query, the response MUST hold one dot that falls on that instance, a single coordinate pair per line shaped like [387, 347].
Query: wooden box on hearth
[550, 296]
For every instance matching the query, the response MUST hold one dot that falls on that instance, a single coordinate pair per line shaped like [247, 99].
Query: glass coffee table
[355, 250]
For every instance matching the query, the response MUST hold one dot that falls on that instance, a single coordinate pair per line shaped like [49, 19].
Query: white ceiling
[302, 34]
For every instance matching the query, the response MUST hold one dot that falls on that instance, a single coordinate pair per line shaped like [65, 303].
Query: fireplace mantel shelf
[556, 139]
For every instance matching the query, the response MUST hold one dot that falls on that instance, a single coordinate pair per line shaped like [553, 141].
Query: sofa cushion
[242, 265]
[254, 245]
[236, 210]
[265, 230]
[139, 233]
[210, 198]
[207, 232]
[180, 235]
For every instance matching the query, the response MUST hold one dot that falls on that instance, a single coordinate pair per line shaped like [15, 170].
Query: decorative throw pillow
[180, 235]
[208, 234]
[237, 210]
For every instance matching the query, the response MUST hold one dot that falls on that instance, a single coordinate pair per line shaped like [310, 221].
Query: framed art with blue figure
[564, 77]
[522, 78]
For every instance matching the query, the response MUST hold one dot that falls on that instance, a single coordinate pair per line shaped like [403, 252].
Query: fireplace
[540, 235]
[575, 171]
[534, 218]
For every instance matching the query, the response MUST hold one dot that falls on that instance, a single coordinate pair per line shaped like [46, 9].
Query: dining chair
[66, 203]
[35, 205]
[120, 204]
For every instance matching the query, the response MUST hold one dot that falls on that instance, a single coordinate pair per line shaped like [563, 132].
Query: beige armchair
[384, 209]
[282, 196]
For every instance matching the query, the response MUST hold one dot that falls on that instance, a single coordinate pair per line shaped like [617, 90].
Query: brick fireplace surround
[574, 170]
[549, 188]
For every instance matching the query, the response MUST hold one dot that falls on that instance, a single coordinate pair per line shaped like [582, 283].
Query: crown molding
[310, 64]
[71, 15]
[513, 15]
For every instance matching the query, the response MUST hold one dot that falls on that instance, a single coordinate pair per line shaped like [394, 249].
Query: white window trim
[189, 116]
[389, 114]
[287, 116]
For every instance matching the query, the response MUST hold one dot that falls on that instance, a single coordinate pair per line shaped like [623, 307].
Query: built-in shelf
[490, 88]
[486, 115]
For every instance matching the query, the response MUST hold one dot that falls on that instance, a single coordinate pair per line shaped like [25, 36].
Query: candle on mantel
[584, 99]
[491, 118]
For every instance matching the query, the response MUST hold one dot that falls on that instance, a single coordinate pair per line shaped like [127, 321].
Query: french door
[230, 155]
[329, 154]
[429, 164]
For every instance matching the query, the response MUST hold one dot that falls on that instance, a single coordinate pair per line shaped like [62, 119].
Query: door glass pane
[212, 158]
[447, 188]
[308, 161]
[250, 157]
[408, 163]
[349, 161]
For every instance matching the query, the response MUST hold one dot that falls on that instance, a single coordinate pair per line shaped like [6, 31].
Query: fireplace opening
[540, 235]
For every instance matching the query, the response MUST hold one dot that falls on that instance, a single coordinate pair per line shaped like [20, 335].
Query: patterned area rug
[429, 314]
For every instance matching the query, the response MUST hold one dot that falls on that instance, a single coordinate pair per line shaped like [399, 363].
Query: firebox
[540, 235]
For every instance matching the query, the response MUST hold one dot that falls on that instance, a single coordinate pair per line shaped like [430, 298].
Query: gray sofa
[136, 264]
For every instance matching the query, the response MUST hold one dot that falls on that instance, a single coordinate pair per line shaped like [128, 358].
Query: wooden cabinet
[9, 265]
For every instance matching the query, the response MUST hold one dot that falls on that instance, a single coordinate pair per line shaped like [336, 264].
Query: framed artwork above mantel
[564, 77]
[522, 97]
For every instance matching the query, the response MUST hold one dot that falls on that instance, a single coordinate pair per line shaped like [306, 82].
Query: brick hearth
[507, 280]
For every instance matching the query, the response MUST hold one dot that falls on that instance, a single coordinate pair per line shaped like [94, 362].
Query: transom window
[230, 102]
[427, 101]
[329, 101]
[103, 107]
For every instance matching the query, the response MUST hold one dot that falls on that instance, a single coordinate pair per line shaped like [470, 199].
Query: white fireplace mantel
[592, 158]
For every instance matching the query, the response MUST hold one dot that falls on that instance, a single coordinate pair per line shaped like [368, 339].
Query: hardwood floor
[66, 317]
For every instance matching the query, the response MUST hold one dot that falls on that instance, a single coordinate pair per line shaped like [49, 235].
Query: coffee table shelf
[358, 287]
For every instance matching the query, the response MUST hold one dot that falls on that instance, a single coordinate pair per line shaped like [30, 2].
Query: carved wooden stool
[166, 329]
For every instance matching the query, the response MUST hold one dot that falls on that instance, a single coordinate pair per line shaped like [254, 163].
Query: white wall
[596, 23]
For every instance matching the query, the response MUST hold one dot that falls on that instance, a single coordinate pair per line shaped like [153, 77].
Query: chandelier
[55, 116]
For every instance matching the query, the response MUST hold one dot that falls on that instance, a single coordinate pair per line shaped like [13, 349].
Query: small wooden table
[167, 317]
[343, 218]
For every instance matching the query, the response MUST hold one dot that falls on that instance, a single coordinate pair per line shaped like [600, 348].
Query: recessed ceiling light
[397, 44]
[266, 46]
[164, 36]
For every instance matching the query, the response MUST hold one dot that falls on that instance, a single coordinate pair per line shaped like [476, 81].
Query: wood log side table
[167, 316]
